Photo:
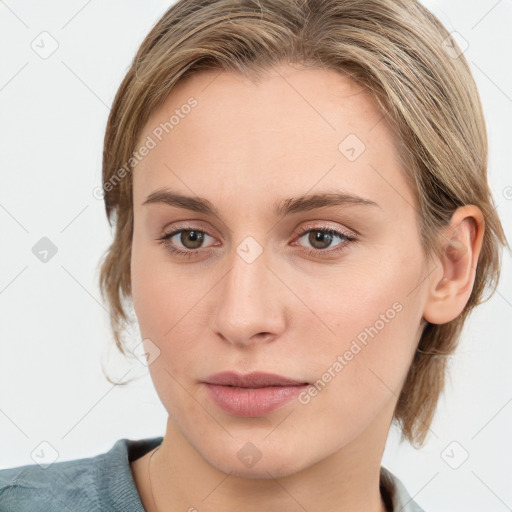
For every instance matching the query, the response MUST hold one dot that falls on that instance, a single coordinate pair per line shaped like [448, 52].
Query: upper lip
[251, 380]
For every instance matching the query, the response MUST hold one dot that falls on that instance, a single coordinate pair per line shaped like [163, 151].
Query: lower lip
[252, 401]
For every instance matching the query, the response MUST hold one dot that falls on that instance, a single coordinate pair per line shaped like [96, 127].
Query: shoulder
[92, 483]
[55, 487]
[395, 494]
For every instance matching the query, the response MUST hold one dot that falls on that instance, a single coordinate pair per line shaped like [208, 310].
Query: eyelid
[320, 225]
[178, 229]
[188, 225]
[331, 251]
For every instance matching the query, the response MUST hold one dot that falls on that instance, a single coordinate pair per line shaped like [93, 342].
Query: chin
[252, 463]
[263, 469]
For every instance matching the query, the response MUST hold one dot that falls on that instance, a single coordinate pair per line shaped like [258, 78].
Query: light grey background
[54, 330]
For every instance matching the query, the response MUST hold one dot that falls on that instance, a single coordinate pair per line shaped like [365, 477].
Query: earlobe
[461, 243]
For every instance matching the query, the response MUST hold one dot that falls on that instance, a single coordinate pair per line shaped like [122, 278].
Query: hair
[403, 56]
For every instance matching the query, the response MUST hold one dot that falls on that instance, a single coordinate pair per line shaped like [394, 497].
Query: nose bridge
[248, 307]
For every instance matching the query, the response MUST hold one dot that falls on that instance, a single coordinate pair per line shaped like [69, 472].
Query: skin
[243, 147]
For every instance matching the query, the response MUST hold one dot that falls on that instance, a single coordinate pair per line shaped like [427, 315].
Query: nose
[250, 306]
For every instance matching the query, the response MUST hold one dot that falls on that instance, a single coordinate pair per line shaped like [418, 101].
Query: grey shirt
[105, 483]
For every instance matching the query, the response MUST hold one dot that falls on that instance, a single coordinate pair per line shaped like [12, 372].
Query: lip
[251, 380]
[253, 394]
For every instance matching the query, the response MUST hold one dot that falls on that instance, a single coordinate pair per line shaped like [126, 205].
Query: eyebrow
[282, 207]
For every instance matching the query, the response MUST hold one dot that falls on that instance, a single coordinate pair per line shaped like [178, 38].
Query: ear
[450, 287]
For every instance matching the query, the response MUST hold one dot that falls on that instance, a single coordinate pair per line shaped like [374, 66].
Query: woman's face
[259, 284]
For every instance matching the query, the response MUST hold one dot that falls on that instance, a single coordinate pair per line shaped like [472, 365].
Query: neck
[347, 480]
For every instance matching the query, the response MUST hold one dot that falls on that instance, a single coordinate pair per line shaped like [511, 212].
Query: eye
[191, 239]
[321, 239]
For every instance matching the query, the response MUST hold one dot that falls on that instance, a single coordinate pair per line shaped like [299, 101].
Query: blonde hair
[406, 59]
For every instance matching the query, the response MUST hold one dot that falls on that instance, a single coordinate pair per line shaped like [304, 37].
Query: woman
[302, 225]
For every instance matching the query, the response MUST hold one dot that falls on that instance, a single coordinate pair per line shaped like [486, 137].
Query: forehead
[296, 128]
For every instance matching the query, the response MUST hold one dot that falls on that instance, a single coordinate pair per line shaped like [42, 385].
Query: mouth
[251, 380]
[251, 395]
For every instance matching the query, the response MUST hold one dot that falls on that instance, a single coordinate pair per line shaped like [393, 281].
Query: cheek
[147, 297]
[167, 304]
[370, 316]
[161, 295]
[161, 308]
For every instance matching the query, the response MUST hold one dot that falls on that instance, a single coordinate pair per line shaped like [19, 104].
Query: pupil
[318, 236]
[191, 236]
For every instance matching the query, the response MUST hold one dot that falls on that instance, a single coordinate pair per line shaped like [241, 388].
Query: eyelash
[326, 230]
